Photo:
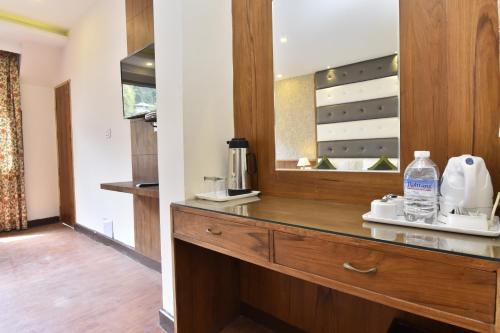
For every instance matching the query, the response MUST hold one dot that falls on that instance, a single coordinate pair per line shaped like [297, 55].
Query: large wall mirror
[336, 85]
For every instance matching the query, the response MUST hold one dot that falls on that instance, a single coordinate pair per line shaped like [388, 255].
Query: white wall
[40, 64]
[39, 68]
[92, 61]
[208, 90]
[10, 46]
[168, 63]
[194, 86]
[40, 151]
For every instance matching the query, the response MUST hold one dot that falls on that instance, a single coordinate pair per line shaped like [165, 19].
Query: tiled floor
[53, 279]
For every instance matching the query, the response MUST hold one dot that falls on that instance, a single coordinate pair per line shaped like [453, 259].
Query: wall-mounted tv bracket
[150, 117]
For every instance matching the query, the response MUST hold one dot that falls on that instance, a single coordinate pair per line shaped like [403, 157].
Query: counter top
[129, 187]
[345, 219]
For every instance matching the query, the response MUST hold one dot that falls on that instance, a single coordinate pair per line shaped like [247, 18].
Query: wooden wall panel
[140, 33]
[460, 125]
[423, 73]
[473, 93]
[245, 71]
[144, 151]
[449, 94]
[140, 24]
[147, 226]
[144, 139]
[486, 87]
[145, 168]
[135, 7]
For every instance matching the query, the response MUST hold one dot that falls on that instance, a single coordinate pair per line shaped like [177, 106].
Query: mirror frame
[461, 91]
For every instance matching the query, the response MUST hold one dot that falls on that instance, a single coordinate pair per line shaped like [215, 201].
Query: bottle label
[423, 187]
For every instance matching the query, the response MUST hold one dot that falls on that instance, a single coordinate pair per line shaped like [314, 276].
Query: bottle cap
[422, 154]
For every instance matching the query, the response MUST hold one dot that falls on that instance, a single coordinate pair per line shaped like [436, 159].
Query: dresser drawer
[248, 240]
[462, 291]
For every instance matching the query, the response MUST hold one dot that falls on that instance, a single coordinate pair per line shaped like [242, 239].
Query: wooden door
[65, 154]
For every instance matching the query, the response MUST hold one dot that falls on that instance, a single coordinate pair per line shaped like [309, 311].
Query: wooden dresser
[292, 265]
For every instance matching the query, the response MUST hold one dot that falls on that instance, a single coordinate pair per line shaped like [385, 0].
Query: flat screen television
[138, 83]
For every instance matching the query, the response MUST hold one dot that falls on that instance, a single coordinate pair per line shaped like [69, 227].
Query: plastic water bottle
[421, 189]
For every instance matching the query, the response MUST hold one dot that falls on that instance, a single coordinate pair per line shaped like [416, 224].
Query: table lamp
[303, 163]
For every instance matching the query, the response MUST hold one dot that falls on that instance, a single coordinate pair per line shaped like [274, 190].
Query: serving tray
[493, 231]
[221, 196]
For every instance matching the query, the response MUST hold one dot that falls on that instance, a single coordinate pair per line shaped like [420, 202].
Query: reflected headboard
[358, 113]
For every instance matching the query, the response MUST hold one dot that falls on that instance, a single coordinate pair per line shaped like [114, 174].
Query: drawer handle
[349, 267]
[215, 233]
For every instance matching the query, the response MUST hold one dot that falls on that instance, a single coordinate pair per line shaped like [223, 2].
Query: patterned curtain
[12, 199]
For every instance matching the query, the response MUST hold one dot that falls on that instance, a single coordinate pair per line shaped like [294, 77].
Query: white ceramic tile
[359, 91]
[363, 129]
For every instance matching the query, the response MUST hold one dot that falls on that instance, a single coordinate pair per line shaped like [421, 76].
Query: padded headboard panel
[370, 109]
[358, 110]
[361, 71]
[368, 148]
[361, 129]
[358, 91]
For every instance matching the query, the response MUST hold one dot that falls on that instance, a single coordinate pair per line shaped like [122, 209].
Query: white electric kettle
[466, 186]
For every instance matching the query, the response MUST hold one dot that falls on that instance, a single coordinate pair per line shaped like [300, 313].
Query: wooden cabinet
[303, 280]
[244, 239]
[140, 24]
[454, 289]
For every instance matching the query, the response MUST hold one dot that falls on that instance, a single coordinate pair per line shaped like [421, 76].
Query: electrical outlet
[108, 133]
[107, 227]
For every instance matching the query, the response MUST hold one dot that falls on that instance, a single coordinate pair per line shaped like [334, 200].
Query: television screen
[138, 83]
[137, 100]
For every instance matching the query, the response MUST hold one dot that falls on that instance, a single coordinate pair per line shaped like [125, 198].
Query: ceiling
[18, 34]
[309, 36]
[61, 13]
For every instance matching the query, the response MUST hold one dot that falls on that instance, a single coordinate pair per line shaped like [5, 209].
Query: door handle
[349, 267]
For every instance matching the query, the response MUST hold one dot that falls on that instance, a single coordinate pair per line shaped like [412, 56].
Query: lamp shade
[303, 162]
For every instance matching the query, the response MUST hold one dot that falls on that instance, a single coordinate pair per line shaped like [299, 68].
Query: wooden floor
[53, 279]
